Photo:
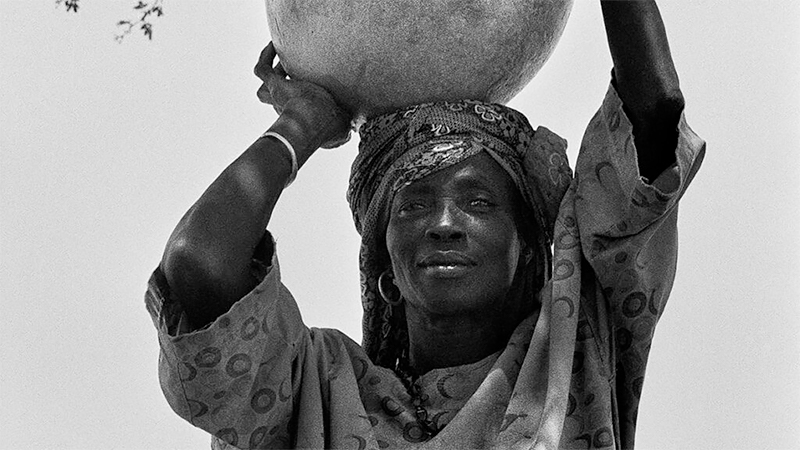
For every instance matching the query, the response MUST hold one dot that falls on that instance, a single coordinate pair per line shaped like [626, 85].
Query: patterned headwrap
[407, 145]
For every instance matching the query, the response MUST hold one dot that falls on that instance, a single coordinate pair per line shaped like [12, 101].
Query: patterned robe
[570, 377]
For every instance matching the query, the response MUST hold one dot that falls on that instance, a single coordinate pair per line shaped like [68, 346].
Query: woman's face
[453, 240]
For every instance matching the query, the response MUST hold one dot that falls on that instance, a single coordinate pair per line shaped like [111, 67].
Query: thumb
[264, 95]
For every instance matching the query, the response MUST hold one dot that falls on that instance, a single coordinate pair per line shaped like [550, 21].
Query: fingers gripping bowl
[376, 56]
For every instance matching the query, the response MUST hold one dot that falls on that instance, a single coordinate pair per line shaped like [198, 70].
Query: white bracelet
[292, 154]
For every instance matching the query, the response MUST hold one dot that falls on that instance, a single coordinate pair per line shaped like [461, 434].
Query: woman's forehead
[480, 170]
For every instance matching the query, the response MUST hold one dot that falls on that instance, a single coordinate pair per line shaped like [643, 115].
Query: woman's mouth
[446, 271]
[449, 264]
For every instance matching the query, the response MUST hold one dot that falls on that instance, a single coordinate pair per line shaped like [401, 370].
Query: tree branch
[145, 12]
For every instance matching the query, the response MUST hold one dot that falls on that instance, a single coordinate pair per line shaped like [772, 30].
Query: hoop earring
[397, 300]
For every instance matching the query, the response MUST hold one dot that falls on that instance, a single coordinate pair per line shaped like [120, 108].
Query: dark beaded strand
[417, 399]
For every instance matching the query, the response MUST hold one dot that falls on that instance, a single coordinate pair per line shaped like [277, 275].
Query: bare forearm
[640, 51]
[646, 79]
[207, 261]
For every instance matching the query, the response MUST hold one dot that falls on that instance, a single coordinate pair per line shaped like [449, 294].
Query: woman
[471, 340]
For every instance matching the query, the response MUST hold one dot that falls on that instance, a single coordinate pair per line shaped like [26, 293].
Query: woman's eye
[411, 206]
[480, 202]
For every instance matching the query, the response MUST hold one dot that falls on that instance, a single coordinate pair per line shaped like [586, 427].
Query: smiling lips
[446, 264]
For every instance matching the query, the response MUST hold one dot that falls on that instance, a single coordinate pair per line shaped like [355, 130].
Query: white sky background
[103, 147]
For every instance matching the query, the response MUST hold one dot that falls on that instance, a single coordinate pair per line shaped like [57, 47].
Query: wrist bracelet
[292, 154]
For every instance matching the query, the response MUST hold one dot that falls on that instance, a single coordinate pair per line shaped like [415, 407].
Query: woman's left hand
[313, 107]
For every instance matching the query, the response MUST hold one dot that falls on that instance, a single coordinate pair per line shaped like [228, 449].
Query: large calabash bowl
[376, 56]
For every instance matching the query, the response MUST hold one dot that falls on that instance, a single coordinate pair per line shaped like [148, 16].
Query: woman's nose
[445, 225]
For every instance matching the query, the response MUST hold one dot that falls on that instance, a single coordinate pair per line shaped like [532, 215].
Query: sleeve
[628, 229]
[237, 377]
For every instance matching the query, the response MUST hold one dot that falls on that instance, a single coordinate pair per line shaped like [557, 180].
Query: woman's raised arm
[646, 79]
[207, 260]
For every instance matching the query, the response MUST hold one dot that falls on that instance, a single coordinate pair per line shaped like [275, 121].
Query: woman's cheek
[401, 254]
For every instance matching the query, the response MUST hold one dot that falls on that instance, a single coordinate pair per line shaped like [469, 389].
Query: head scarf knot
[407, 145]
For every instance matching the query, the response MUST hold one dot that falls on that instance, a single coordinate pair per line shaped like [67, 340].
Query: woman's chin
[451, 296]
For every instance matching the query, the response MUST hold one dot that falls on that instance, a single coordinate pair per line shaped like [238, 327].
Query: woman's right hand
[322, 120]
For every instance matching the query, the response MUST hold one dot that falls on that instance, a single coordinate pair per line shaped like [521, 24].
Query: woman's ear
[528, 256]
